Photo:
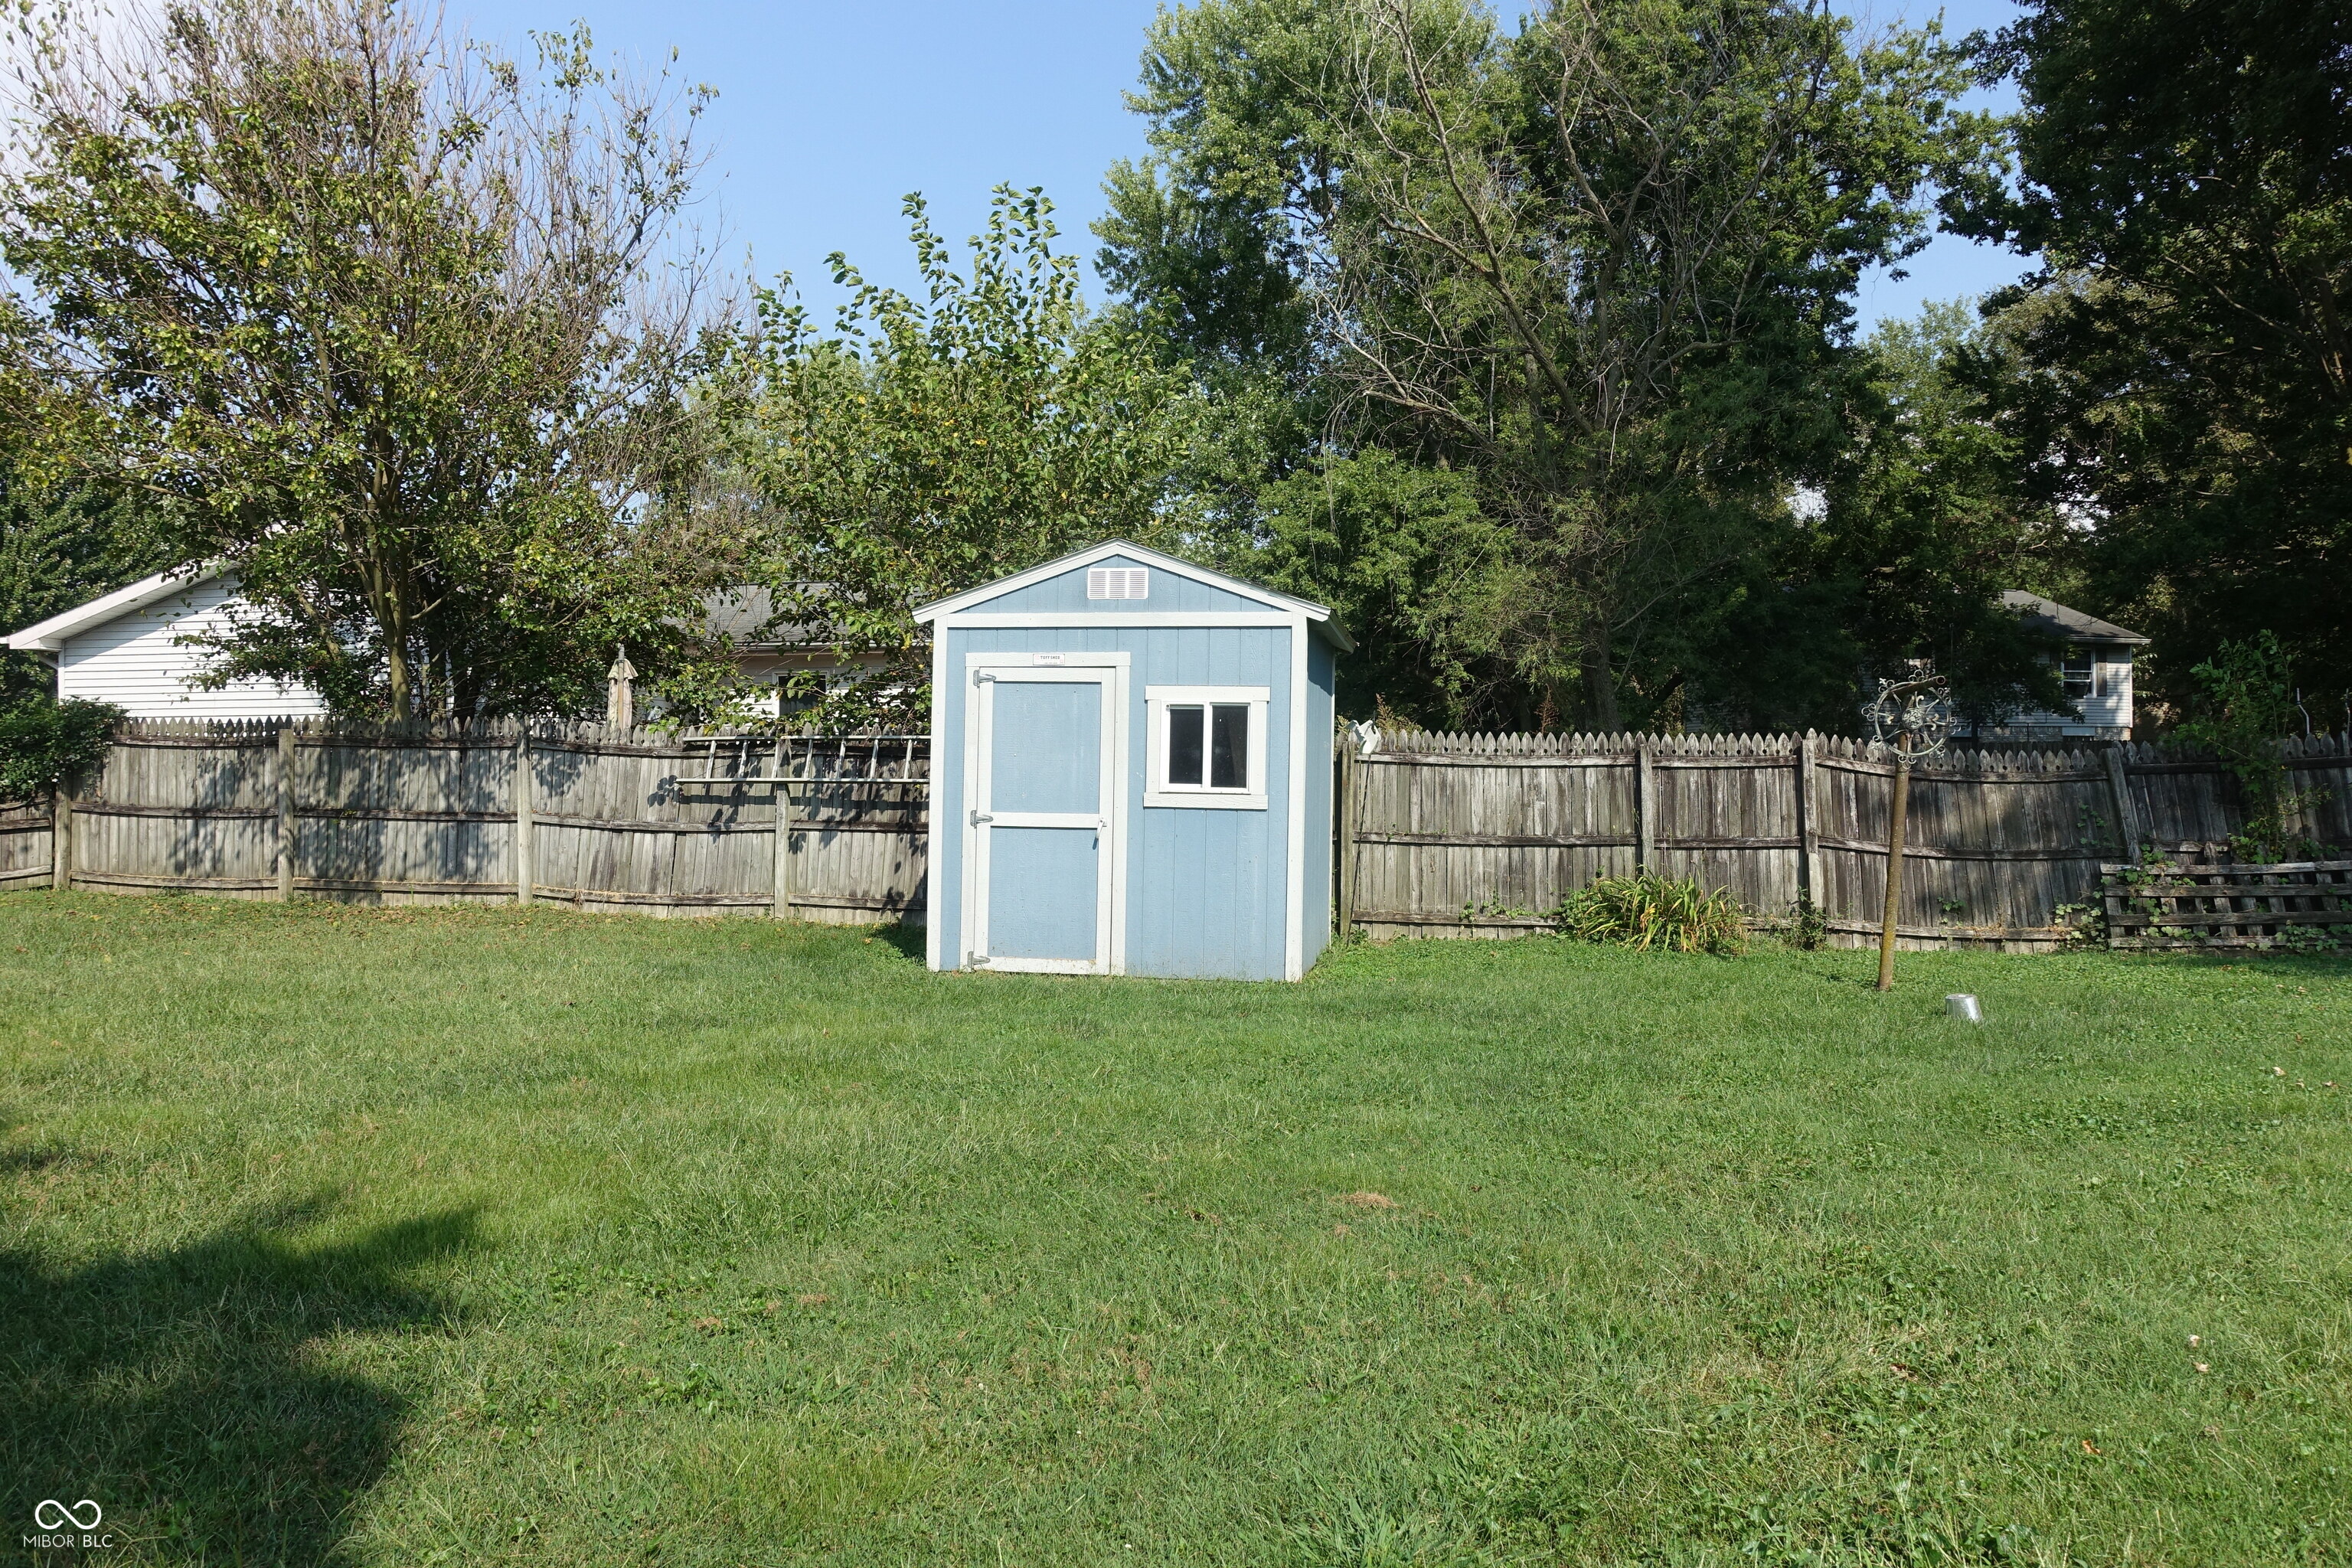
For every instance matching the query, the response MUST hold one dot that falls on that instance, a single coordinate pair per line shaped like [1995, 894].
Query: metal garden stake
[1913, 717]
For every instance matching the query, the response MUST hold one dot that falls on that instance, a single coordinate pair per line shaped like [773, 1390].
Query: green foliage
[1649, 912]
[2183, 178]
[2243, 706]
[929, 447]
[42, 742]
[1809, 924]
[1918, 531]
[59, 549]
[1593, 270]
[360, 314]
[1416, 572]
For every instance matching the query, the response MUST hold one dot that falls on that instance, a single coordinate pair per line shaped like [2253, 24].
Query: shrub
[1646, 911]
[1809, 924]
[41, 741]
[2241, 707]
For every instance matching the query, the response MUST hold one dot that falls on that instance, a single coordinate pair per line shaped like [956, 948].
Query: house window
[2075, 673]
[1207, 746]
[1119, 583]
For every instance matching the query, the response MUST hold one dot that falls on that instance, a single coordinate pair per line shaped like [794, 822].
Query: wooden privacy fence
[1461, 834]
[578, 814]
[1440, 835]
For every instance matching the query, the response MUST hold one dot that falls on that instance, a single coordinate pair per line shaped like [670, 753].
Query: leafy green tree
[1413, 568]
[926, 446]
[1599, 266]
[42, 742]
[364, 315]
[2185, 179]
[1907, 548]
[57, 551]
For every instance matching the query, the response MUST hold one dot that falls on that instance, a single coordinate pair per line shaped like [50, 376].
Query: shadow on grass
[906, 939]
[186, 1390]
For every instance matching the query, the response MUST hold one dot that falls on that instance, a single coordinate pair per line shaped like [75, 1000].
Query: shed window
[2076, 673]
[1208, 746]
[1214, 733]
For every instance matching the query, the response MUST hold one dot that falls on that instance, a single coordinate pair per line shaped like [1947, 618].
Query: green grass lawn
[396, 1238]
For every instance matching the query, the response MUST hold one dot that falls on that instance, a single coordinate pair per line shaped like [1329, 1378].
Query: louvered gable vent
[1119, 583]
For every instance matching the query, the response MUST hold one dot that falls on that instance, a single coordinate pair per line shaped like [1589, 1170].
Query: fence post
[2127, 819]
[61, 844]
[526, 801]
[1809, 829]
[1646, 809]
[784, 889]
[286, 812]
[1346, 815]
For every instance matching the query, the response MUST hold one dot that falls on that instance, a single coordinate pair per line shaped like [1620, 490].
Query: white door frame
[982, 671]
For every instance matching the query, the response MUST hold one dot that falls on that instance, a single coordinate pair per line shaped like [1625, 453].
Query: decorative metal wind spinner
[1912, 716]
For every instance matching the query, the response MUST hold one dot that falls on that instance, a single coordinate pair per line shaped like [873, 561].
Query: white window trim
[1157, 702]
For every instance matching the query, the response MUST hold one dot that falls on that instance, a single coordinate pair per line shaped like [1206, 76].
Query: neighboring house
[2095, 666]
[126, 647]
[771, 654]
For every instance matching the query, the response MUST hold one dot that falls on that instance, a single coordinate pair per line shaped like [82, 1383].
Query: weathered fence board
[24, 847]
[424, 814]
[1469, 835]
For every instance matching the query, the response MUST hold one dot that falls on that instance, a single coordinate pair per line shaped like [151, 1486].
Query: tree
[929, 447]
[1411, 565]
[363, 314]
[2186, 179]
[2244, 703]
[57, 551]
[1599, 266]
[1920, 526]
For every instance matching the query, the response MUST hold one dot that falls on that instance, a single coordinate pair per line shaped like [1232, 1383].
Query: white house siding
[2107, 713]
[136, 662]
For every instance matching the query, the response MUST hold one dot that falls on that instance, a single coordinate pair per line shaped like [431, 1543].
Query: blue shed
[1131, 772]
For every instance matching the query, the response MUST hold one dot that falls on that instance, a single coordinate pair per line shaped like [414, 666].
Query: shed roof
[2054, 619]
[1318, 616]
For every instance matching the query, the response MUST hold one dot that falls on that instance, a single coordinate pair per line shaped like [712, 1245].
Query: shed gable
[1165, 592]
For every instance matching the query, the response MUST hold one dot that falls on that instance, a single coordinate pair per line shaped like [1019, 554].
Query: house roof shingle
[2054, 619]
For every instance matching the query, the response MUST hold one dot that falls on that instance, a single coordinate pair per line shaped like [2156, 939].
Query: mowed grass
[395, 1237]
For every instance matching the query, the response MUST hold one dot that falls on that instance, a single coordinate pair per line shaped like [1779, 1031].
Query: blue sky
[828, 114]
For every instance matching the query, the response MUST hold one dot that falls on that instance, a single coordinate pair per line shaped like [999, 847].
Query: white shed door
[1045, 821]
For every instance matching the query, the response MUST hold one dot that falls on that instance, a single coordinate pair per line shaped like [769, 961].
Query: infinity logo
[51, 1514]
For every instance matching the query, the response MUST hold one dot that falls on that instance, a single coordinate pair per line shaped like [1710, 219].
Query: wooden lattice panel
[2225, 905]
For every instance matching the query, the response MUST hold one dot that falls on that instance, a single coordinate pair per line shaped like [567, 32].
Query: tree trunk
[1601, 682]
[395, 670]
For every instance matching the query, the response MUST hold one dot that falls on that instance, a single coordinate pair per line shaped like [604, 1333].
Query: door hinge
[979, 675]
[980, 817]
